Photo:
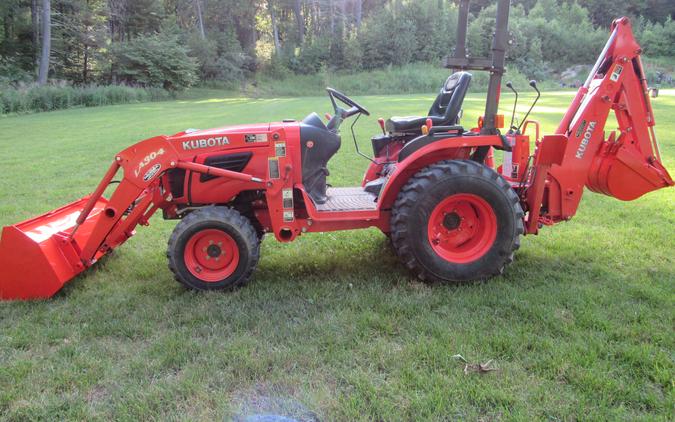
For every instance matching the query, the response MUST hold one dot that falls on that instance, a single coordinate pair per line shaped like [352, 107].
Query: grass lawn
[332, 327]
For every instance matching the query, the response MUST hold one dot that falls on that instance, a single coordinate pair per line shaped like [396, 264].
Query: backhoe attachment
[625, 165]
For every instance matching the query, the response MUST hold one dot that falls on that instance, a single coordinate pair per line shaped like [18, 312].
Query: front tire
[456, 221]
[213, 248]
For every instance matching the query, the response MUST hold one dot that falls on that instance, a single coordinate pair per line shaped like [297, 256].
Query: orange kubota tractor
[431, 185]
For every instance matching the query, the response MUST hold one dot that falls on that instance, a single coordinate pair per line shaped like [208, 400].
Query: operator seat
[443, 112]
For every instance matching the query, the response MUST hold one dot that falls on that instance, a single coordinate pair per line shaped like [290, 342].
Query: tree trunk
[247, 33]
[200, 19]
[275, 30]
[331, 14]
[358, 13]
[117, 19]
[342, 14]
[9, 18]
[35, 31]
[85, 65]
[297, 9]
[46, 42]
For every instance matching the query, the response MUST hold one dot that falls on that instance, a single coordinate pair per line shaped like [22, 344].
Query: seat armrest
[437, 129]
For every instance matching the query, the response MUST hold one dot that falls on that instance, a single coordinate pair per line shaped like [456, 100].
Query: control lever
[515, 103]
[381, 122]
[533, 84]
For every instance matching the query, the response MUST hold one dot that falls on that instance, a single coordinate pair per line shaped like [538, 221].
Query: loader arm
[40, 255]
[139, 194]
[625, 165]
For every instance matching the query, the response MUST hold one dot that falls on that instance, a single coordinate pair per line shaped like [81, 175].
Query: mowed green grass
[332, 327]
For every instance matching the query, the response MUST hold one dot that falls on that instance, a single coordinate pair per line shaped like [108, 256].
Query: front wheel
[456, 221]
[213, 248]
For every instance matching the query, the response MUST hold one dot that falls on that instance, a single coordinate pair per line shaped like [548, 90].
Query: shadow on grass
[373, 265]
[326, 276]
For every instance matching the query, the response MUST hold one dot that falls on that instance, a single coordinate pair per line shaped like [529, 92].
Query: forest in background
[174, 44]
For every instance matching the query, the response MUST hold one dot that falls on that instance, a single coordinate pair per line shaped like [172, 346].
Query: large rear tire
[213, 248]
[456, 221]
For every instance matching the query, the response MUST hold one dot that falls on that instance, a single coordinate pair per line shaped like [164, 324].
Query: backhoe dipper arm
[625, 165]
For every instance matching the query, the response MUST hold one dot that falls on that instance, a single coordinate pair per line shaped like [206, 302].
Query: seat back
[449, 101]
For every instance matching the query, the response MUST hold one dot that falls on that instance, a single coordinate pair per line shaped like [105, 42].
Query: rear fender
[454, 148]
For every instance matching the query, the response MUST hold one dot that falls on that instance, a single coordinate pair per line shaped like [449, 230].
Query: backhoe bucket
[37, 256]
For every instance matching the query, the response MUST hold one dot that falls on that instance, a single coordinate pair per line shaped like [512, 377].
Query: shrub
[386, 40]
[220, 61]
[158, 60]
[11, 72]
[312, 57]
[31, 98]
[408, 79]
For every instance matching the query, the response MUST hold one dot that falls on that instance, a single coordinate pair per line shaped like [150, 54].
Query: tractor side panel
[257, 150]
[204, 189]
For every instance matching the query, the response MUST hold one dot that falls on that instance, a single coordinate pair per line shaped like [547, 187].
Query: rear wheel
[213, 248]
[456, 221]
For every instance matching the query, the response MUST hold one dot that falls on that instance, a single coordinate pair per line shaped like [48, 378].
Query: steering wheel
[354, 107]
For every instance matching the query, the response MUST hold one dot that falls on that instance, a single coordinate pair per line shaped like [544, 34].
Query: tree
[297, 11]
[231, 40]
[358, 13]
[46, 42]
[35, 32]
[200, 18]
[275, 28]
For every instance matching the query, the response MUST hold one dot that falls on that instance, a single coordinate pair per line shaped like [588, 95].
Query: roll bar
[460, 60]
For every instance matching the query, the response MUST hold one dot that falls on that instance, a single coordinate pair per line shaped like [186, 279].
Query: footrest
[348, 199]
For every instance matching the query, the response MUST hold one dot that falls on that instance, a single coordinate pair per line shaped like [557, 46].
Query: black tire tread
[222, 214]
[423, 180]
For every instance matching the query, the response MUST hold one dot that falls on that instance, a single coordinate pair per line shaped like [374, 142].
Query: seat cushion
[398, 124]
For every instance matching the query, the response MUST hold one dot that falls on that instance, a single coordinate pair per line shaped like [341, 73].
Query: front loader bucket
[37, 256]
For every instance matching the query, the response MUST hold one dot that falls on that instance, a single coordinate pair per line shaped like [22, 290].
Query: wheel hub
[462, 228]
[214, 251]
[211, 255]
[451, 221]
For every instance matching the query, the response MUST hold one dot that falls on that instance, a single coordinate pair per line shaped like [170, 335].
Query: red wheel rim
[462, 228]
[211, 255]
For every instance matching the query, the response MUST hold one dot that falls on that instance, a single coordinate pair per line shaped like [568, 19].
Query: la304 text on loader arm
[431, 184]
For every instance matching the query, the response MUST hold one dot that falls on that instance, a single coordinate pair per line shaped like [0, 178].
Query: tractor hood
[228, 137]
[220, 131]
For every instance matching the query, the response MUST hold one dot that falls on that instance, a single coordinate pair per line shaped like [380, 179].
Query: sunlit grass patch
[332, 326]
